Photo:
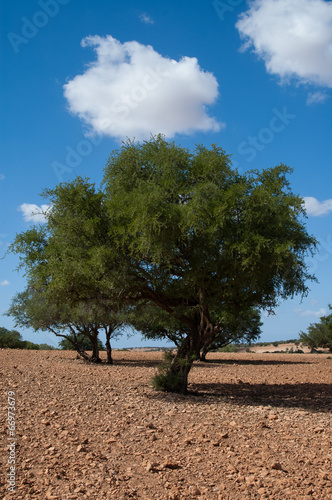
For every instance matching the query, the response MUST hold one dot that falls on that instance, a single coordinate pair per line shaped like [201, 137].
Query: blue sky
[80, 75]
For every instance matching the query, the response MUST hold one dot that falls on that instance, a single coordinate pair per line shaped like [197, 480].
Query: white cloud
[33, 213]
[315, 207]
[293, 37]
[308, 312]
[4, 283]
[132, 91]
[317, 97]
[2, 177]
[145, 18]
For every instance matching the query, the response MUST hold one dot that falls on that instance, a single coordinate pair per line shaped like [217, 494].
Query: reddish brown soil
[254, 426]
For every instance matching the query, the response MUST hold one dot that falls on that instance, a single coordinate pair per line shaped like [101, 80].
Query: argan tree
[175, 231]
[201, 240]
[77, 325]
[319, 334]
[67, 261]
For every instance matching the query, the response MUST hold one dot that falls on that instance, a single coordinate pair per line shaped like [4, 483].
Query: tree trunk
[77, 346]
[83, 354]
[176, 376]
[203, 354]
[108, 346]
[95, 349]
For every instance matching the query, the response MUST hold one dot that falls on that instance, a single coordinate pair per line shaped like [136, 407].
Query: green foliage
[229, 348]
[166, 379]
[11, 339]
[245, 327]
[66, 263]
[180, 235]
[68, 344]
[319, 334]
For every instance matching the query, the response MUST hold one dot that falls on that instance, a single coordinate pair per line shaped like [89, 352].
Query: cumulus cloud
[2, 177]
[4, 283]
[131, 90]
[315, 207]
[293, 37]
[305, 313]
[33, 213]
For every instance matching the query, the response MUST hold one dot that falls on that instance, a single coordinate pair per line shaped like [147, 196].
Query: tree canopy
[203, 240]
[12, 339]
[180, 239]
[319, 334]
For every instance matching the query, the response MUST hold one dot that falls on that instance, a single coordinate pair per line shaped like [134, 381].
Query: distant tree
[46, 347]
[319, 334]
[11, 339]
[30, 345]
[78, 326]
[85, 343]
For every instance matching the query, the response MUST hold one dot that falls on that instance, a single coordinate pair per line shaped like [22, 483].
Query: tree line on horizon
[178, 245]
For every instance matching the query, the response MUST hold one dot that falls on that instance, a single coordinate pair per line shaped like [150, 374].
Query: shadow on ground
[229, 361]
[311, 397]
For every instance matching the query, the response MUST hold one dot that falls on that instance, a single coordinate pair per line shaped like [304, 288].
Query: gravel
[252, 426]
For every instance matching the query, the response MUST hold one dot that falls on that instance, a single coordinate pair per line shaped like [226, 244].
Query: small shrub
[167, 381]
[229, 348]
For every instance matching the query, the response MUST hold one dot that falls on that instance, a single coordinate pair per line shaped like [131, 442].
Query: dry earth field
[254, 426]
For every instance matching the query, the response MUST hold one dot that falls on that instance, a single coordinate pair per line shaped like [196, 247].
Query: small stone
[224, 435]
[276, 466]
[151, 466]
[273, 416]
[80, 448]
[194, 491]
[171, 465]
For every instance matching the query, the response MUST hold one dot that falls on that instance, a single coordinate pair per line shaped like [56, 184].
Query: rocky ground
[254, 426]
